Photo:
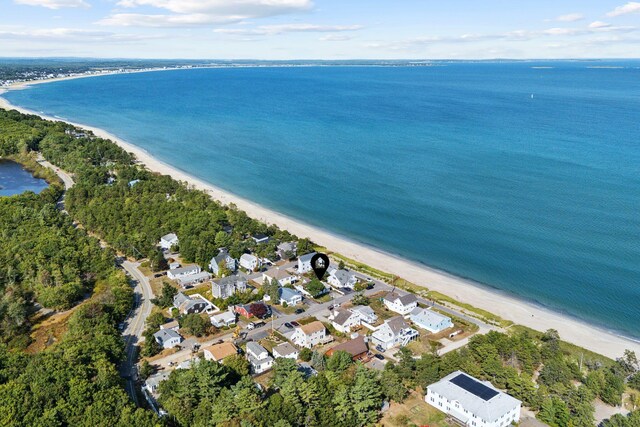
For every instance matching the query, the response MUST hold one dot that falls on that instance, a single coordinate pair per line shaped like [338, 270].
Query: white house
[227, 318]
[249, 262]
[304, 263]
[473, 402]
[192, 279]
[342, 278]
[167, 338]
[430, 320]
[281, 275]
[308, 335]
[285, 350]
[400, 304]
[228, 286]
[393, 332]
[223, 258]
[258, 357]
[152, 383]
[290, 296]
[187, 270]
[343, 320]
[168, 240]
[173, 325]
[365, 313]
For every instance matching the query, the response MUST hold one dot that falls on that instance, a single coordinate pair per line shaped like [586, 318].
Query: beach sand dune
[505, 306]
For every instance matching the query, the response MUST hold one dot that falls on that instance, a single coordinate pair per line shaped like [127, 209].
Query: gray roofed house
[473, 402]
[304, 263]
[286, 248]
[222, 257]
[342, 278]
[290, 296]
[365, 313]
[192, 279]
[286, 350]
[190, 304]
[168, 240]
[343, 320]
[228, 286]
[258, 357]
[430, 320]
[152, 383]
[183, 271]
[167, 338]
[400, 304]
[394, 332]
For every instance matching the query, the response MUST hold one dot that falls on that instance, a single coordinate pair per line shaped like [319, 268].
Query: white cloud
[630, 7]
[185, 13]
[270, 30]
[71, 35]
[54, 4]
[571, 17]
[335, 38]
[599, 24]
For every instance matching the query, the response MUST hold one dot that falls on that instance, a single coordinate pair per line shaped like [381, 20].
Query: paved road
[64, 176]
[135, 324]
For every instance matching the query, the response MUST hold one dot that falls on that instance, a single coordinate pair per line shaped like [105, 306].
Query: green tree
[194, 324]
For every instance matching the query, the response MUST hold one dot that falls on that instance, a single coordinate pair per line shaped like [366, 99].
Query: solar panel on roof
[474, 387]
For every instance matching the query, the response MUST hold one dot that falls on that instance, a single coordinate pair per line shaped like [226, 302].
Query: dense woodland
[44, 259]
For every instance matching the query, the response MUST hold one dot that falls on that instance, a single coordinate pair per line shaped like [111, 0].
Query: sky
[321, 29]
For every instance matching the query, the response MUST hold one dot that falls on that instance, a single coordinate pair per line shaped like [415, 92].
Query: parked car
[370, 285]
[379, 356]
[380, 348]
[288, 325]
[295, 324]
[299, 311]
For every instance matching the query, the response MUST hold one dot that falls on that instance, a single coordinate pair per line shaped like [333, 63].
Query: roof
[222, 256]
[427, 316]
[287, 246]
[306, 257]
[284, 349]
[396, 324]
[341, 316]
[203, 275]
[248, 257]
[169, 237]
[227, 315]
[169, 325]
[404, 299]
[354, 347]
[277, 273]
[222, 350]
[480, 398]
[180, 298]
[255, 348]
[364, 309]
[156, 379]
[230, 280]
[166, 334]
[287, 294]
[259, 236]
[343, 276]
[185, 269]
[312, 327]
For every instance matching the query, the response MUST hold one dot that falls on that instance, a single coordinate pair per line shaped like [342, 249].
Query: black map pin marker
[320, 264]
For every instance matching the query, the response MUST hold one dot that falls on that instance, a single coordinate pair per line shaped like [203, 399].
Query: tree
[360, 299]
[145, 370]
[341, 265]
[305, 354]
[339, 361]
[238, 364]
[315, 288]
[272, 288]
[223, 270]
[166, 298]
[155, 320]
[392, 386]
[194, 324]
[318, 361]
[157, 261]
[259, 310]
[304, 247]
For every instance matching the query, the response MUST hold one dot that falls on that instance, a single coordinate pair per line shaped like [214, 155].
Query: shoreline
[520, 311]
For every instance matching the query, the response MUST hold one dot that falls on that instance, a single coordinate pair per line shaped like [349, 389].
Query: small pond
[14, 179]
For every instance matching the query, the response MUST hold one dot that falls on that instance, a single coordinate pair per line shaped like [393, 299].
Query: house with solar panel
[472, 402]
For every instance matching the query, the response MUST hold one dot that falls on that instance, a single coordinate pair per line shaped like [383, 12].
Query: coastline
[508, 307]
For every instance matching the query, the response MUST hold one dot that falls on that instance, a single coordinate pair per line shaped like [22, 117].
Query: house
[174, 265]
[152, 383]
[393, 332]
[192, 279]
[217, 352]
[304, 263]
[133, 182]
[248, 310]
[260, 238]
[227, 318]
[223, 258]
[357, 348]
[343, 320]
[342, 278]
[190, 304]
[289, 296]
[286, 351]
[167, 338]
[430, 320]
[472, 402]
[311, 334]
[400, 304]
[258, 357]
[286, 250]
[228, 286]
[365, 313]
[187, 270]
[173, 325]
[280, 275]
[168, 240]
[249, 262]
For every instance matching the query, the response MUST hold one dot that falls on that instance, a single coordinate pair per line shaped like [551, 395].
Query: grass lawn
[413, 412]
[292, 308]
[422, 345]
[381, 310]
[474, 311]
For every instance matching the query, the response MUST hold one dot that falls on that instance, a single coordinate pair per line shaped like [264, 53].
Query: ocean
[522, 176]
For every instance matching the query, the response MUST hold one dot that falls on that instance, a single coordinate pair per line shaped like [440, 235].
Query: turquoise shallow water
[456, 166]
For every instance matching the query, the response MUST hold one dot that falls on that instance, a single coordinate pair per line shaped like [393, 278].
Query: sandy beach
[516, 310]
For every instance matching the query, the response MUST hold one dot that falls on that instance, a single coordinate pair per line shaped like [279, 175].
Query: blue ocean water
[521, 176]
[14, 179]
